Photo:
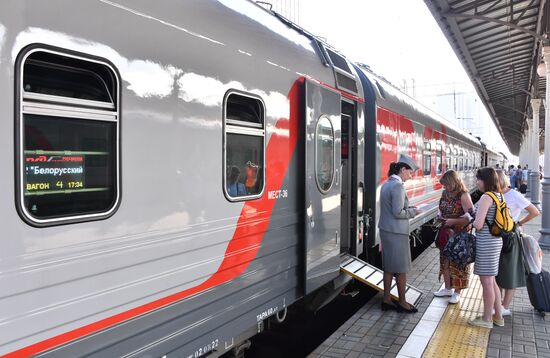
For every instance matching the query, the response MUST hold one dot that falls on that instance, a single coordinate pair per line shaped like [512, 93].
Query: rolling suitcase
[538, 288]
[538, 280]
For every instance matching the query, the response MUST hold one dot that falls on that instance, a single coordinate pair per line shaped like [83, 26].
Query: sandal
[411, 309]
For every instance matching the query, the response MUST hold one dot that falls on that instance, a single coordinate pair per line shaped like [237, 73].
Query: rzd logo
[41, 158]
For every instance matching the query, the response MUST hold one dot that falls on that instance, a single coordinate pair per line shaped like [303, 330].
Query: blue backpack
[461, 248]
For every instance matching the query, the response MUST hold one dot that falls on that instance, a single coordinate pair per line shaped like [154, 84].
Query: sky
[400, 40]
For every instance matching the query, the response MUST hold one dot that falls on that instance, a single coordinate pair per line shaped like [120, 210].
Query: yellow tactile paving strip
[454, 337]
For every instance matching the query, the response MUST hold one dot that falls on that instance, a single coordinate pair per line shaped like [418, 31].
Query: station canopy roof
[499, 43]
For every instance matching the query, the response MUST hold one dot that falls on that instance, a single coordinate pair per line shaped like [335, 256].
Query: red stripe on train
[242, 248]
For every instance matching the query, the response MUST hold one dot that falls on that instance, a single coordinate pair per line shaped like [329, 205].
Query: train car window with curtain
[68, 133]
[427, 167]
[438, 159]
[244, 132]
[447, 158]
[455, 159]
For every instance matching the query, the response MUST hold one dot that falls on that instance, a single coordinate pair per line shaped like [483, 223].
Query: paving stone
[333, 355]
[366, 355]
[530, 349]
[521, 355]
[352, 354]
[359, 347]
[500, 345]
[394, 349]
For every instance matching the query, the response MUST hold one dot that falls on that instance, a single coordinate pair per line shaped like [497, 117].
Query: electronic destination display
[54, 174]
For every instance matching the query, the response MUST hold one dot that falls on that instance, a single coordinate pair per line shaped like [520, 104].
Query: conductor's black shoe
[400, 308]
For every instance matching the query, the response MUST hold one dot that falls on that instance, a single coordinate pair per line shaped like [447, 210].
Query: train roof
[389, 96]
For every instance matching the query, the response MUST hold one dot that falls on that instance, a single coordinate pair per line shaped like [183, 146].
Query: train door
[322, 185]
[352, 186]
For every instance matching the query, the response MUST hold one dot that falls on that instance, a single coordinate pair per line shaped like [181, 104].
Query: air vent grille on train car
[338, 61]
[346, 82]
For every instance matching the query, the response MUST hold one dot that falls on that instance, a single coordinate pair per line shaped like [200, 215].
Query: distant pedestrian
[512, 175]
[517, 179]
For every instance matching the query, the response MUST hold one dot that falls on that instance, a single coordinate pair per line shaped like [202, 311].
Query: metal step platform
[374, 277]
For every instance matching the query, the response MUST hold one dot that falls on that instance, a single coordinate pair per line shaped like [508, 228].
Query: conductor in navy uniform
[395, 213]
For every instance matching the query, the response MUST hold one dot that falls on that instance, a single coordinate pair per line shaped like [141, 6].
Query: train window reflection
[244, 146]
[324, 154]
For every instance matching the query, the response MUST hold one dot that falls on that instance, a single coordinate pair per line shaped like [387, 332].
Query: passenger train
[179, 172]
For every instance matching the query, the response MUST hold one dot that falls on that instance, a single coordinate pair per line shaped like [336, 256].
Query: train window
[68, 137]
[438, 159]
[324, 154]
[447, 158]
[244, 133]
[427, 168]
[68, 80]
[455, 159]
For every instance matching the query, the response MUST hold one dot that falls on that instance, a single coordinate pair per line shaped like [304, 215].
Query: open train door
[322, 186]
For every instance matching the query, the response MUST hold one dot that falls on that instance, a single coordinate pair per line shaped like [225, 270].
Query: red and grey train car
[176, 173]
[396, 123]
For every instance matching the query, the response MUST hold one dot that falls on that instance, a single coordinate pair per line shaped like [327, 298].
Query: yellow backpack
[503, 222]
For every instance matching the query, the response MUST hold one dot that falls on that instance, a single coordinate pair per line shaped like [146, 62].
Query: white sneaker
[444, 292]
[505, 312]
[455, 297]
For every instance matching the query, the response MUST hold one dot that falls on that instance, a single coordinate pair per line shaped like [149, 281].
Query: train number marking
[277, 194]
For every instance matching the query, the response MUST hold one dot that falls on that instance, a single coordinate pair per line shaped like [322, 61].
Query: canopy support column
[529, 156]
[545, 227]
[534, 176]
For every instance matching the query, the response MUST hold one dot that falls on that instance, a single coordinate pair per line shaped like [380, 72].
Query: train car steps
[373, 277]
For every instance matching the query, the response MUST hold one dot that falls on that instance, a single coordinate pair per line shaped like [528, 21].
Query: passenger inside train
[234, 186]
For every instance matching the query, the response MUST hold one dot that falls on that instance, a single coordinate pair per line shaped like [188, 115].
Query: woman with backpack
[454, 203]
[511, 273]
[488, 249]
